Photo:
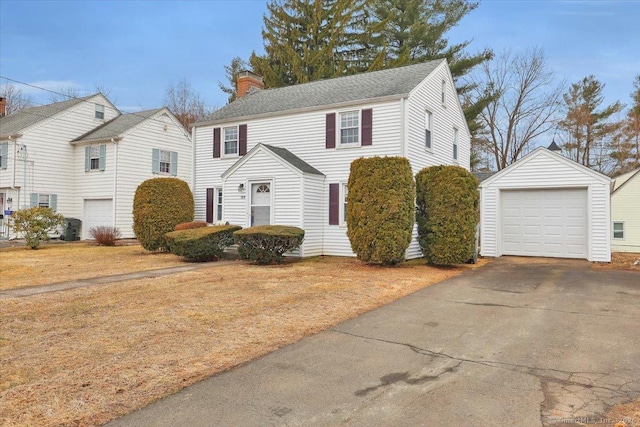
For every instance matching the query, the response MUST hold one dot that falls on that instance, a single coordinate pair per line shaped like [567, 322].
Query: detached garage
[548, 206]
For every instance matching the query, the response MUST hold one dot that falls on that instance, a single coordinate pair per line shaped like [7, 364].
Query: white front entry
[96, 212]
[546, 223]
[260, 203]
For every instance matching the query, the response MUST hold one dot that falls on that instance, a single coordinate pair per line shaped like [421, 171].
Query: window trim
[98, 112]
[218, 204]
[223, 141]
[339, 143]
[160, 162]
[428, 126]
[613, 230]
[342, 207]
[456, 145]
[92, 158]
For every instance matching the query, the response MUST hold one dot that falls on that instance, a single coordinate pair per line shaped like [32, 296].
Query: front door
[260, 203]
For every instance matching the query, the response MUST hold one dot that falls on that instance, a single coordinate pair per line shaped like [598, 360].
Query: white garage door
[548, 223]
[96, 212]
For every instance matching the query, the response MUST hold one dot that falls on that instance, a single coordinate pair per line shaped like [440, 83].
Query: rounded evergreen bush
[158, 206]
[266, 244]
[447, 202]
[190, 225]
[380, 208]
[201, 243]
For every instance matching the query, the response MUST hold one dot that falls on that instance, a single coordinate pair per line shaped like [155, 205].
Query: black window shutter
[242, 140]
[216, 142]
[330, 140]
[210, 205]
[367, 127]
[334, 204]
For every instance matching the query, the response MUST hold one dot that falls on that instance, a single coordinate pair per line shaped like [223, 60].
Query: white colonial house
[85, 159]
[282, 156]
[625, 213]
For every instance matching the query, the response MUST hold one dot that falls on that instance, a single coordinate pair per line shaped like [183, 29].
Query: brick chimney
[3, 107]
[247, 80]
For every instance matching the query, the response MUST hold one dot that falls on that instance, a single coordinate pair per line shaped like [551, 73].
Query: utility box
[72, 229]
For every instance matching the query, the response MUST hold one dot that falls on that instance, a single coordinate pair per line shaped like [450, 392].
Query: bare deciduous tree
[16, 99]
[184, 103]
[525, 96]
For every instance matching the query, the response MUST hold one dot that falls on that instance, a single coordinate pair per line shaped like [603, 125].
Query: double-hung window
[618, 230]
[44, 200]
[99, 113]
[230, 141]
[94, 157]
[165, 161]
[350, 127]
[428, 125]
[455, 144]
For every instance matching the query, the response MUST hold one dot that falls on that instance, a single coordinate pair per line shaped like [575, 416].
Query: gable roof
[287, 156]
[624, 178]
[26, 117]
[543, 151]
[115, 127]
[395, 82]
[482, 175]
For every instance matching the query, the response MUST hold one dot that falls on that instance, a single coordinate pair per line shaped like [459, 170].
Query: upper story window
[350, 127]
[618, 230]
[231, 140]
[428, 125]
[455, 144]
[164, 162]
[4, 151]
[94, 157]
[443, 93]
[99, 113]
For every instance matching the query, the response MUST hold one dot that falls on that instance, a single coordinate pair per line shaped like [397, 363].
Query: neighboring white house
[546, 205]
[84, 159]
[625, 213]
[282, 156]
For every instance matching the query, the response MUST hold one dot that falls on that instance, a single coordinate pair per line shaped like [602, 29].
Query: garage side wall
[544, 170]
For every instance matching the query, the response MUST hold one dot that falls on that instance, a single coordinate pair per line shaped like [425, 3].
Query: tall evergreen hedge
[447, 202]
[380, 208]
[158, 206]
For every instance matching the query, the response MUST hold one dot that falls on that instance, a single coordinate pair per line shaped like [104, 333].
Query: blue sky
[138, 48]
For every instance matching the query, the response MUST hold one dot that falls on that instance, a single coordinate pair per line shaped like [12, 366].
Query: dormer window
[99, 114]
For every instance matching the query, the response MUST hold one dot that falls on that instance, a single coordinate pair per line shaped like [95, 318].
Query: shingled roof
[16, 122]
[359, 87]
[293, 160]
[117, 126]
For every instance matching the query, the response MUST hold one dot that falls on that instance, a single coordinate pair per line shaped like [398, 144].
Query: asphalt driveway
[521, 342]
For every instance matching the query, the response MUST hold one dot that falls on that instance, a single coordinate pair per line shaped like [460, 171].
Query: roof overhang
[11, 137]
[98, 140]
[300, 110]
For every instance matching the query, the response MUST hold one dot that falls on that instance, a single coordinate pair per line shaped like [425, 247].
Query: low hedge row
[203, 243]
[190, 225]
[266, 244]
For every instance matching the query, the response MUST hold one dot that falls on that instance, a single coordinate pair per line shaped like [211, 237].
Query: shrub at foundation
[266, 244]
[202, 243]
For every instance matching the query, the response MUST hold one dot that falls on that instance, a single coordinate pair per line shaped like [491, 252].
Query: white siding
[625, 207]
[445, 117]
[304, 135]
[539, 170]
[313, 215]
[134, 163]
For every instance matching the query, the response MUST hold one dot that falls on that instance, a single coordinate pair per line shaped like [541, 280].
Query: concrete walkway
[515, 343]
[101, 280]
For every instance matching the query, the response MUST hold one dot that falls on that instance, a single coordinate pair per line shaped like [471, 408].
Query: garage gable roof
[542, 151]
[281, 155]
[623, 179]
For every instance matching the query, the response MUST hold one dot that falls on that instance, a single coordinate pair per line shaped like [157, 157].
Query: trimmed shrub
[35, 224]
[380, 208]
[105, 235]
[266, 244]
[190, 225]
[202, 243]
[158, 206]
[447, 213]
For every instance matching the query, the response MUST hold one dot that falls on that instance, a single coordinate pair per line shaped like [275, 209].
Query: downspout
[115, 181]
[13, 176]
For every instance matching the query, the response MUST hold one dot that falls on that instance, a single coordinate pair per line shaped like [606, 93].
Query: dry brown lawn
[85, 356]
[21, 266]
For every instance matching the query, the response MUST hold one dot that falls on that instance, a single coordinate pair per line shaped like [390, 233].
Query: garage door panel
[544, 223]
[96, 213]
